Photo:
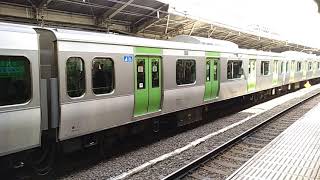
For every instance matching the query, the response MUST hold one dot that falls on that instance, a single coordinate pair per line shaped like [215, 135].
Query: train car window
[282, 67]
[208, 71]
[275, 67]
[299, 66]
[76, 85]
[185, 71]
[265, 66]
[292, 66]
[155, 74]
[141, 78]
[215, 71]
[310, 66]
[318, 64]
[234, 69]
[102, 75]
[287, 67]
[15, 80]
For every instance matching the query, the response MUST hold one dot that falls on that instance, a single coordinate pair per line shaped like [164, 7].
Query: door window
[215, 71]
[141, 74]
[208, 71]
[155, 73]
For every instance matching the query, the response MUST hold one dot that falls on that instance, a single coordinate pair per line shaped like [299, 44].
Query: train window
[275, 67]
[318, 64]
[234, 69]
[155, 73]
[215, 71]
[282, 68]
[265, 65]
[287, 67]
[310, 66]
[208, 71]
[186, 71]
[15, 80]
[141, 78]
[76, 85]
[299, 66]
[102, 75]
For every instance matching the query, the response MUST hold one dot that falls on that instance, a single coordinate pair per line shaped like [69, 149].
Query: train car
[73, 89]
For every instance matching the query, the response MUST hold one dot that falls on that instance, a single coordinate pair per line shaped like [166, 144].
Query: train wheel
[42, 160]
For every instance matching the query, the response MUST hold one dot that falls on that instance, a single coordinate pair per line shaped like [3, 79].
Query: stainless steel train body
[53, 54]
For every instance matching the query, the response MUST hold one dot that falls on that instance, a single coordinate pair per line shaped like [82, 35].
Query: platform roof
[143, 18]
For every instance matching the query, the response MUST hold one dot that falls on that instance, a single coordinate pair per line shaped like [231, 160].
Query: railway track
[225, 159]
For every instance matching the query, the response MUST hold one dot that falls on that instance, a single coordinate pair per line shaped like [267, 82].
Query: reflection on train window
[275, 67]
[265, 66]
[76, 85]
[292, 66]
[141, 78]
[299, 66]
[15, 80]
[215, 71]
[208, 71]
[309, 66]
[186, 71]
[282, 67]
[102, 75]
[155, 73]
[234, 69]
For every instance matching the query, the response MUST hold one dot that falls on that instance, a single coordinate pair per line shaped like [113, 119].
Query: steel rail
[184, 171]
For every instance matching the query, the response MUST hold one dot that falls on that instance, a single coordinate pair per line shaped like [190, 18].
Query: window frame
[310, 67]
[195, 79]
[31, 83]
[66, 78]
[232, 75]
[299, 68]
[113, 79]
[276, 67]
[262, 68]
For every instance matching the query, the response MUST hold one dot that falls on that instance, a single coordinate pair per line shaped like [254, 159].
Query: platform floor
[294, 154]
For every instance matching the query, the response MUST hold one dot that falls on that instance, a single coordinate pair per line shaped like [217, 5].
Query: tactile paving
[294, 154]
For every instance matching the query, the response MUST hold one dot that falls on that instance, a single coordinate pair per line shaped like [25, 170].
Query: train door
[252, 75]
[147, 97]
[275, 72]
[212, 79]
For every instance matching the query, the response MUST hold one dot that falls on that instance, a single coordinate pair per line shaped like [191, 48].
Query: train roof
[179, 42]
[15, 36]
[104, 38]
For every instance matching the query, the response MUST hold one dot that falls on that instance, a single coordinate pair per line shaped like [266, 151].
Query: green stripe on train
[212, 54]
[147, 50]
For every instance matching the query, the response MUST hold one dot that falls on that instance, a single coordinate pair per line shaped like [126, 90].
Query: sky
[294, 20]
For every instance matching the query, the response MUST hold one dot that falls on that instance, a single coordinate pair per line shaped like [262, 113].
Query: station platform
[294, 154]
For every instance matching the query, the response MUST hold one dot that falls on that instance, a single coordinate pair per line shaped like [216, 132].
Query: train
[71, 89]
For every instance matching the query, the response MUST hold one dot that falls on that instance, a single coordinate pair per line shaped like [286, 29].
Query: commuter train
[71, 89]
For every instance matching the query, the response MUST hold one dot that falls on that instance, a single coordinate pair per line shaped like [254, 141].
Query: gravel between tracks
[168, 166]
[115, 166]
